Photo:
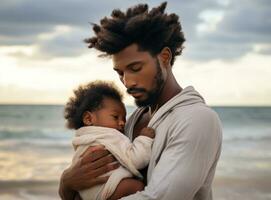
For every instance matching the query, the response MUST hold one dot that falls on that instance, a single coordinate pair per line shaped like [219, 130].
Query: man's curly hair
[150, 30]
[89, 98]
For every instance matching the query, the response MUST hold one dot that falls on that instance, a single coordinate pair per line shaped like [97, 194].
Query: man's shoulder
[193, 110]
[194, 121]
[193, 115]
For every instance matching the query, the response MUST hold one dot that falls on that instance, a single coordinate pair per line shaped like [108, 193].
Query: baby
[98, 115]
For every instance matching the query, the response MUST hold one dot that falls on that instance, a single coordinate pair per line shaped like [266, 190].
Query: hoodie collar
[186, 97]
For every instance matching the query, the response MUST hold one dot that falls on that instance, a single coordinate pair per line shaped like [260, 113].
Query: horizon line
[57, 104]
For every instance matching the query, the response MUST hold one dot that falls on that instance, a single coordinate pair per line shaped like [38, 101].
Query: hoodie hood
[187, 96]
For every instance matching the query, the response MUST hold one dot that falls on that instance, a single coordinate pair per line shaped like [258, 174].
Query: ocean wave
[19, 183]
[35, 143]
[28, 132]
[247, 138]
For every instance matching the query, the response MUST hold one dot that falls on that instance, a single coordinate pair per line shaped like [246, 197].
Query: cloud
[239, 82]
[214, 29]
[23, 21]
[63, 43]
[266, 51]
[244, 24]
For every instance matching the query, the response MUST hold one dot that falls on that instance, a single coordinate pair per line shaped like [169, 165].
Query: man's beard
[152, 95]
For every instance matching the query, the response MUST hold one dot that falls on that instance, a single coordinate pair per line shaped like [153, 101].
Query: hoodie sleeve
[188, 160]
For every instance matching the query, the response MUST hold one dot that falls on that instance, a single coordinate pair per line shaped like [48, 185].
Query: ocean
[35, 147]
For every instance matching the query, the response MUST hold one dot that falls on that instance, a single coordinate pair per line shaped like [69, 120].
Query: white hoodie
[186, 148]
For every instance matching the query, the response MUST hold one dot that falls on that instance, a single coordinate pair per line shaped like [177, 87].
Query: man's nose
[128, 81]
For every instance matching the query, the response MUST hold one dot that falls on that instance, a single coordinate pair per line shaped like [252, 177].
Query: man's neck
[170, 89]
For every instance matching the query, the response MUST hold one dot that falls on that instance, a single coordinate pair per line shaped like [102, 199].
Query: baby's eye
[115, 116]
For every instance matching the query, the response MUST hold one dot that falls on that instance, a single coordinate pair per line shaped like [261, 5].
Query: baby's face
[111, 115]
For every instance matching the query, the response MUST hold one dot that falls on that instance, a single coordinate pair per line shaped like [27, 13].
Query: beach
[28, 190]
[224, 189]
[35, 147]
[251, 188]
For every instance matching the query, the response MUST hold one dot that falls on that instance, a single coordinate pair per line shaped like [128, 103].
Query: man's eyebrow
[133, 63]
[129, 65]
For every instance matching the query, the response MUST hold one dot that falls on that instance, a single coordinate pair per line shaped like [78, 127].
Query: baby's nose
[121, 125]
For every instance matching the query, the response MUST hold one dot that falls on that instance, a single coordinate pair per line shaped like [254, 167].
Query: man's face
[140, 73]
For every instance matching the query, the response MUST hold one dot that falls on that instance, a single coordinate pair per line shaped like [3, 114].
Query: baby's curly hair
[150, 30]
[88, 97]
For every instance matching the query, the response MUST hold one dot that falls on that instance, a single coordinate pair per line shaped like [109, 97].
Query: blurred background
[43, 58]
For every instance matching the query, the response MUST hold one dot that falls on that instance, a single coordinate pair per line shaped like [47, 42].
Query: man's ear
[165, 56]
[88, 118]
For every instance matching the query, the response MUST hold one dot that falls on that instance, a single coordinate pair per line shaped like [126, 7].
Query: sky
[227, 55]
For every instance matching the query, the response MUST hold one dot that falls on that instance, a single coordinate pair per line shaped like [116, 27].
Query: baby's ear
[87, 118]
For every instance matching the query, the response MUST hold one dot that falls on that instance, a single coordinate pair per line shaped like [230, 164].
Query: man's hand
[95, 162]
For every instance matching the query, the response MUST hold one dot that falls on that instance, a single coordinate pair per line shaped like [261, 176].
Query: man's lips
[136, 94]
[135, 90]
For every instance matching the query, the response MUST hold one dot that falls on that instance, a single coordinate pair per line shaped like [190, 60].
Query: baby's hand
[147, 131]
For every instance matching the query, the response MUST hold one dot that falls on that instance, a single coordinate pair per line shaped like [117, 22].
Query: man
[143, 45]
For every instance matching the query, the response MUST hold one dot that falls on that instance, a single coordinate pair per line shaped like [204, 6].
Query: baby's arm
[130, 186]
[127, 187]
[148, 132]
[140, 150]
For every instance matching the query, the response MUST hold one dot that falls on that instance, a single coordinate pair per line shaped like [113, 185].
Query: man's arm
[185, 163]
[84, 174]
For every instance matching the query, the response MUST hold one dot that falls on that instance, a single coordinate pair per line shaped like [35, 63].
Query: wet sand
[30, 190]
[224, 188]
[250, 188]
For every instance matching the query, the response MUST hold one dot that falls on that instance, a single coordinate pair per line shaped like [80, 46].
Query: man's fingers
[99, 154]
[90, 173]
[101, 180]
[92, 149]
[102, 170]
[90, 155]
[102, 161]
